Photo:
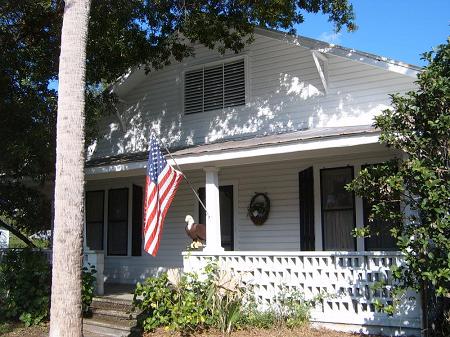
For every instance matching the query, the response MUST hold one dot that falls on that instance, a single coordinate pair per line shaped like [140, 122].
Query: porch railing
[354, 283]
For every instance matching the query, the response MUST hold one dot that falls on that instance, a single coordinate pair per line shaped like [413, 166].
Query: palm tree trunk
[65, 313]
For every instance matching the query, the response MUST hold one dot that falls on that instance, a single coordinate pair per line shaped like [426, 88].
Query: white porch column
[213, 239]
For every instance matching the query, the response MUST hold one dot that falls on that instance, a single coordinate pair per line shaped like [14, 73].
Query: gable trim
[343, 52]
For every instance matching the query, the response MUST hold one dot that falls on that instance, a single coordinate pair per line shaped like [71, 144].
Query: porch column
[213, 239]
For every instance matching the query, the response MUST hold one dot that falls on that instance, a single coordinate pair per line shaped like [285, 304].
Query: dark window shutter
[94, 219]
[136, 232]
[306, 196]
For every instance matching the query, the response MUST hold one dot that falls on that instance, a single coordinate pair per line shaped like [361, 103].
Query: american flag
[162, 181]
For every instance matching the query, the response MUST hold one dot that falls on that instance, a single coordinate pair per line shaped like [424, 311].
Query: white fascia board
[348, 53]
[224, 156]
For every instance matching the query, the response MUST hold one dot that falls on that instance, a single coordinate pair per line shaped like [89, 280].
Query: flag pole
[184, 176]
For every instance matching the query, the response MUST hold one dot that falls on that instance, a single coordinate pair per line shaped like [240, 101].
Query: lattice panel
[349, 279]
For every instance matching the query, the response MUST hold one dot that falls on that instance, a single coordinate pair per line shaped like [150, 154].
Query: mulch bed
[304, 331]
[18, 330]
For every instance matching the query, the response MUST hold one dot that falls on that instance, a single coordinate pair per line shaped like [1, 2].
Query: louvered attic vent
[215, 87]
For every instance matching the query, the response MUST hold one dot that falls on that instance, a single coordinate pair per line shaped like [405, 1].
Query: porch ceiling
[308, 143]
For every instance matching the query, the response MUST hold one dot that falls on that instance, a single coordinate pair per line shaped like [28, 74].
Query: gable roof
[137, 74]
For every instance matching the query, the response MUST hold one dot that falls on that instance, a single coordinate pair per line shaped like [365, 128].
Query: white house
[289, 117]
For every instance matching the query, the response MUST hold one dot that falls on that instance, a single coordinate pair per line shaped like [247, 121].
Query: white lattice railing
[348, 277]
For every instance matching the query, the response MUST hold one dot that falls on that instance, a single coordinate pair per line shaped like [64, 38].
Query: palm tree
[65, 312]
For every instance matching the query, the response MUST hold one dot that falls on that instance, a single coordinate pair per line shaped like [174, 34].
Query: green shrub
[156, 302]
[292, 308]
[87, 287]
[288, 309]
[182, 306]
[219, 299]
[254, 317]
[25, 286]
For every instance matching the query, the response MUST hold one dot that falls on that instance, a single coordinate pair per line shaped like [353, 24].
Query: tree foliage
[122, 34]
[418, 125]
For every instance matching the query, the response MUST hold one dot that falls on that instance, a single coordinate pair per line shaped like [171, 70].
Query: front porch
[305, 243]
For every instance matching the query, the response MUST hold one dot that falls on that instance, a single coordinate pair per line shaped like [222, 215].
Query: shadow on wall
[280, 102]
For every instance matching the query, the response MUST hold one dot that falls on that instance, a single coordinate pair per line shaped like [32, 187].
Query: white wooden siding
[281, 232]
[284, 93]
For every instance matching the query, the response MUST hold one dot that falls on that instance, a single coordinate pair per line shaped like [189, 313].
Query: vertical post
[213, 239]
[96, 258]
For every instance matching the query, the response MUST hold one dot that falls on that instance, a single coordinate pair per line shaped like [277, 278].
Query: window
[226, 214]
[118, 221]
[94, 219]
[214, 87]
[338, 209]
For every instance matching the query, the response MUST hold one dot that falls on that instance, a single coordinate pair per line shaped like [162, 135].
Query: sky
[398, 29]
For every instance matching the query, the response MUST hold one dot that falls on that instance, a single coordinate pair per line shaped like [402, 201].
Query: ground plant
[87, 287]
[25, 279]
[178, 303]
[216, 298]
[25, 286]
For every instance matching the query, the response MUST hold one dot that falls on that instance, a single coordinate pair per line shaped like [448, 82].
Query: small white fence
[352, 281]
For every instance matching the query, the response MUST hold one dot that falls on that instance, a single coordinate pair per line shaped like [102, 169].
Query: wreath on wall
[259, 208]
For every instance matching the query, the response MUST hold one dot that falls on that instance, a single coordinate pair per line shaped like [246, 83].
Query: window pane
[94, 206]
[338, 214]
[117, 221]
[334, 194]
[337, 230]
[94, 235]
[118, 205]
[117, 238]
[381, 238]
[94, 219]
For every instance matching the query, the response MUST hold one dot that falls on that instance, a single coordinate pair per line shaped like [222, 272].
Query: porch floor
[119, 291]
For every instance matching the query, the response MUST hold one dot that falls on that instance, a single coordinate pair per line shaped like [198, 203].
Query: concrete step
[110, 326]
[111, 303]
[113, 312]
